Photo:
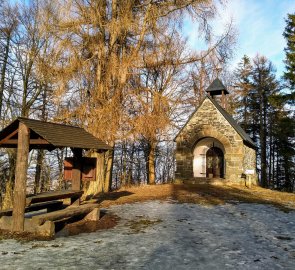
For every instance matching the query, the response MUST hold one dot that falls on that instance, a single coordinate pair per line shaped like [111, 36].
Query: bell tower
[216, 88]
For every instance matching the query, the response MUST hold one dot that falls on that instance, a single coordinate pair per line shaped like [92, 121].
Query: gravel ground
[168, 235]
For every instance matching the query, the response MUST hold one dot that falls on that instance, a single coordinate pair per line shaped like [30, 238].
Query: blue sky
[259, 24]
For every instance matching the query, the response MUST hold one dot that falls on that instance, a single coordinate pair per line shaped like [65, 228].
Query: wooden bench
[47, 200]
[50, 206]
[66, 213]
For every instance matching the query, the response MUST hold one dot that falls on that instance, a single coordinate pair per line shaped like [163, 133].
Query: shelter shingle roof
[57, 135]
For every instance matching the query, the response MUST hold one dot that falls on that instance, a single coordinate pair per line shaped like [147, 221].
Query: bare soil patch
[139, 225]
[107, 221]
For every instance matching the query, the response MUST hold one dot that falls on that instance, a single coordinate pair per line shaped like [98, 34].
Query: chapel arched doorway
[214, 163]
[200, 161]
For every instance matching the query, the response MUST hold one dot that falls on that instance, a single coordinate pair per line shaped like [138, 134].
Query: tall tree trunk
[151, 176]
[130, 169]
[262, 135]
[277, 170]
[288, 184]
[104, 166]
[40, 152]
[9, 185]
[40, 157]
[109, 157]
[3, 71]
[273, 165]
[270, 183]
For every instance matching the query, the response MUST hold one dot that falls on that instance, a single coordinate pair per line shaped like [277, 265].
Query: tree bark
[3, 70]
[151, 176]
[103, 182]
[40, 156]
[9, 185]
[262, 135]
[19, 199]
[109, 156]
[92, 188]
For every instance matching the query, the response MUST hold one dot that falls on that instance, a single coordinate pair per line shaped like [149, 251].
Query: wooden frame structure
[27, 134]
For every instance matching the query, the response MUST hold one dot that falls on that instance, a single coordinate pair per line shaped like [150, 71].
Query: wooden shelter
[27, 134]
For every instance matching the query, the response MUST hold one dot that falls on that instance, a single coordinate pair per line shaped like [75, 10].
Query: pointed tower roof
[216, 88]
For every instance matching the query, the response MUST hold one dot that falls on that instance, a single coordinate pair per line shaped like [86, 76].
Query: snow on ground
[179, 236]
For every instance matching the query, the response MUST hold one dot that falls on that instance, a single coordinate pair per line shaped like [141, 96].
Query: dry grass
[200, 194]
[138, 226]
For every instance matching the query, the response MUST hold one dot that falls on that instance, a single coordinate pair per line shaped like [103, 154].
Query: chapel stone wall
[209, 122]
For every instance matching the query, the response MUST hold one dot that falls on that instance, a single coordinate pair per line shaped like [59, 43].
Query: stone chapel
[212, 146]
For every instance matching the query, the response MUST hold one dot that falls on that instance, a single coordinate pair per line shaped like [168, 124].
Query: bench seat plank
[54, 195]
[65, 213]
[34, 207]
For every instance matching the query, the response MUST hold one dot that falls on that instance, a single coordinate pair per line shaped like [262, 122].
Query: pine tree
[243, 87]
[285, 134]
[281, 135]
[289, 34]
[264, 86]
[289, 74]
[256, 83]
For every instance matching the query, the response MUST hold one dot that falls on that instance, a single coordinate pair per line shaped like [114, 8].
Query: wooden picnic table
[53, 195]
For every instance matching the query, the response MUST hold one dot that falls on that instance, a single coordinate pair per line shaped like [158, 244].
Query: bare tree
[8, 27]
[105, 55]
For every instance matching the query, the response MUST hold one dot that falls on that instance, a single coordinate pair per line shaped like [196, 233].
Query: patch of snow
[189, 236]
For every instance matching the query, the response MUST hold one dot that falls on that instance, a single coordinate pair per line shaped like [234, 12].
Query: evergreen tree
[264, 86]
[263, 111]
[285, 136]
[243, 87]
[281, 144]
[256, 84]
[289, 34]
[289, 74]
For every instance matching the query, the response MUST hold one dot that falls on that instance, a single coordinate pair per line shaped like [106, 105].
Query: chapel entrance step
[205, 180]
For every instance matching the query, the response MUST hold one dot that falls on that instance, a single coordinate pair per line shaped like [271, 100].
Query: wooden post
[19, 197]
[76, 173]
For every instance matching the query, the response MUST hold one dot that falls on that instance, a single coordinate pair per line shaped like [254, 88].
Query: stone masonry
[208, 121]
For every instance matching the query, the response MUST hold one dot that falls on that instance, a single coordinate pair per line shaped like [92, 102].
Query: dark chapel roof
[246, 138]
[233, 123]
[48, 135]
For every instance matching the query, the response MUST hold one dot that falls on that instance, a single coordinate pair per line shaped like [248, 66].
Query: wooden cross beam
[9, 136]
[32, 141]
